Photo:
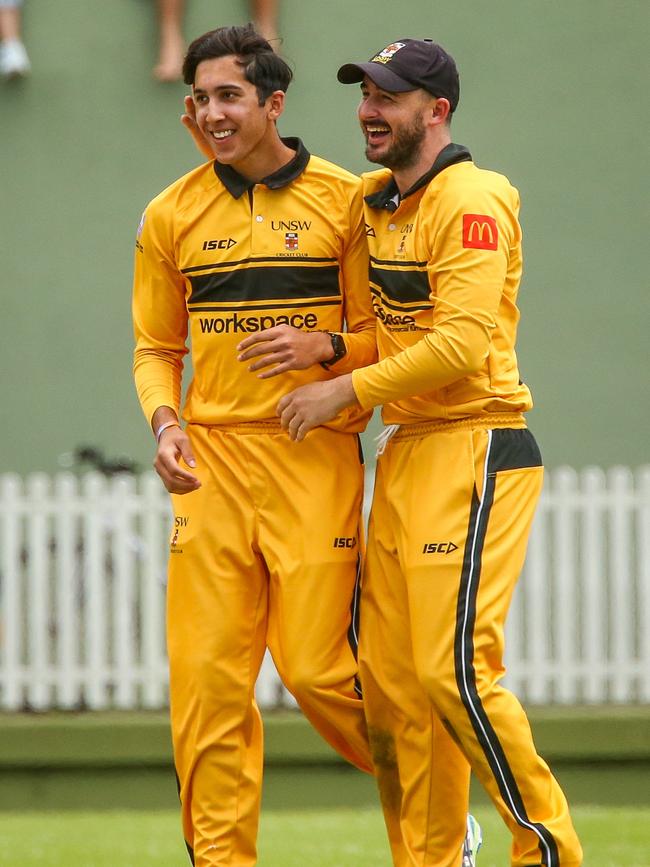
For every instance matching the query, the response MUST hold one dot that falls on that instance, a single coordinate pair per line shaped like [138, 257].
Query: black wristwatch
[338, 348]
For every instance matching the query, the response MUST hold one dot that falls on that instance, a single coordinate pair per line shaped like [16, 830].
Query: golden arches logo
[480, 232]
[477, 231]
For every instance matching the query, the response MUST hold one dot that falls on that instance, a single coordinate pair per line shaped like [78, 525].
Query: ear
[275, 104]
[440, 110]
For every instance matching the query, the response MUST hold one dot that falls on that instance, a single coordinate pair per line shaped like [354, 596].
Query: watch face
[338, 348]
[338, 345]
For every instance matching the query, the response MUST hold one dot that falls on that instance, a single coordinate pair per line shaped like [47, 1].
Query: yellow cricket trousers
[451, 515]
[266, 552]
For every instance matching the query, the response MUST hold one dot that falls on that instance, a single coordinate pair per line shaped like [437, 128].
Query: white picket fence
[82, 593]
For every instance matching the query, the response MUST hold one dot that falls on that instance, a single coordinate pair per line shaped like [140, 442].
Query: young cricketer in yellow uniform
[265, 547]
[461, 474]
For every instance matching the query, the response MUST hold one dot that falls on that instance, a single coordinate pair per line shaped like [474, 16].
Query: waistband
[264, 426]
[482, 422]
[258, 426]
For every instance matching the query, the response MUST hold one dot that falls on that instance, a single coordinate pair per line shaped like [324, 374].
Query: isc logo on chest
[219, 244]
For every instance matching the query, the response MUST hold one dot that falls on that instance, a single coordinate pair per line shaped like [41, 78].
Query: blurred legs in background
[265, 18]
[171, 50]
[14, 61]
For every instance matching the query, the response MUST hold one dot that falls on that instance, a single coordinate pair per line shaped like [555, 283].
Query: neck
[406, 177]
[266, 159]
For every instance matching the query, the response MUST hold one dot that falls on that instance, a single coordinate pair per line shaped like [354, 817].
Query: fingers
[190, 107]
[189, 122]
[258, 350]
[177, 481]
[284, 347]
[269, 350]
[311, 405]
[292, 418]
[294, 426]
[286, 410]
[260, 337]
[274, 371]
[175, 446]
[186, 452]
[174, 477]
[189, 118]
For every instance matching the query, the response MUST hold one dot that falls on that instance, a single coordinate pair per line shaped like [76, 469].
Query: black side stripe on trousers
[353, 629]
[464, 665]
[190, 851]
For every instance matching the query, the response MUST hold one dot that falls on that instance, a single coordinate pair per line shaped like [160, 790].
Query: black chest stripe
[402, 286]
[401, 308]
[211, 266]
[279, 283]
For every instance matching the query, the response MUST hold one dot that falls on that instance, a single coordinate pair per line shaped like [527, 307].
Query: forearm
[361, 351]
[158, 381]
[435, 361]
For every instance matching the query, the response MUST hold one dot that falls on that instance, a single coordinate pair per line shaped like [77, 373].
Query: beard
[405, 149]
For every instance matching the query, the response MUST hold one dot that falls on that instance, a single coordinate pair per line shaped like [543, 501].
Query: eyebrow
[220, 87]
[364, 86]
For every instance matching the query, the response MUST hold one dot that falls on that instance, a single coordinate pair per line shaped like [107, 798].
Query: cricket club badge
[386, 55]
[291, 240]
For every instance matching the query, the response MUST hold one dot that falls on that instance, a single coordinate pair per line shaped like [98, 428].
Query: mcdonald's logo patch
[480, 232]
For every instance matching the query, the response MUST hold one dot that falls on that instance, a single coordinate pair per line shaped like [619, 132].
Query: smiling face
[228, 113]
[393, 124]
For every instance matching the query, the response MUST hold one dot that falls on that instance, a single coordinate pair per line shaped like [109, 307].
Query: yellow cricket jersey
[220, 258]
[445, 266]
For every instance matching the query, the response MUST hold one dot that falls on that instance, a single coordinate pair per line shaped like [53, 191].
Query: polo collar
[389, 196]
[237, 184]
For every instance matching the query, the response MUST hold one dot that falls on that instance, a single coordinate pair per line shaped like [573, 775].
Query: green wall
[553, 95]
[123, 760]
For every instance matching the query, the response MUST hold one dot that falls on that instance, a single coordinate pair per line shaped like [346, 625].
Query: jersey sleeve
[360, 337]
[468, 243]
[159, 317]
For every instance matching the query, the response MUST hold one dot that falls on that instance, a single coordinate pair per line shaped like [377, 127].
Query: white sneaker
[14, 61]
[473, 841]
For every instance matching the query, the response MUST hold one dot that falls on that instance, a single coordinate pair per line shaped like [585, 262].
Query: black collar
[389, 196]
[237, 184]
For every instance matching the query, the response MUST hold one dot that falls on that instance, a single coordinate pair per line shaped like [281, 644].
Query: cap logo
[387, 54]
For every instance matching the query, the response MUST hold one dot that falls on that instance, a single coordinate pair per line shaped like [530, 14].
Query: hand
[286, 347]
[311, 405]
[189, 122]
[175, 445]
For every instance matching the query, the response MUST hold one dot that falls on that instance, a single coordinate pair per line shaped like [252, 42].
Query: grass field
[612, 837]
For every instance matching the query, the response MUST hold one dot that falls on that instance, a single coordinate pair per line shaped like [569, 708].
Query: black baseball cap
[409, 64]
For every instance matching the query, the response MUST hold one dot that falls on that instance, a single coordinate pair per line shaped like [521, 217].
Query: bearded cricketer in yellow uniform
[265, 547]
[460, 474]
